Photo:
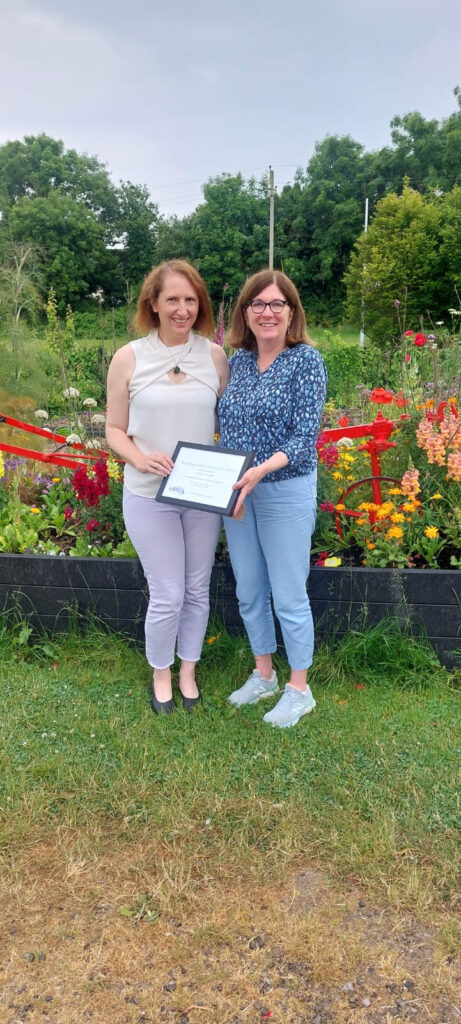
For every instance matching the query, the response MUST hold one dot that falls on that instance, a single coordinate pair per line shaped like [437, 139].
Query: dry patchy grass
[145, 933]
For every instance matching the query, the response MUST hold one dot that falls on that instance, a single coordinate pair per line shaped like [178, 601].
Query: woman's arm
[118, 379]
[221, 365]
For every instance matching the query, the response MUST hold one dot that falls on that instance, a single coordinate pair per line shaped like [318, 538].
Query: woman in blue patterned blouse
[272, 406]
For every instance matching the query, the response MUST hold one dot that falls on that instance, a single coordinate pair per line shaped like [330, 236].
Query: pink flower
[408, 334]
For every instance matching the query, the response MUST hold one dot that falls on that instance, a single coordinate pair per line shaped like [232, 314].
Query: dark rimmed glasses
[276, 306]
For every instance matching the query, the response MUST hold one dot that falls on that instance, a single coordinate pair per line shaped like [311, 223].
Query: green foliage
[137, 225]
[347, 366]
[77, 260]
[227, 237]
[399, 259]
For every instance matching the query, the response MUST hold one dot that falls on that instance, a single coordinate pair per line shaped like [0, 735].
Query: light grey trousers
[176, 548]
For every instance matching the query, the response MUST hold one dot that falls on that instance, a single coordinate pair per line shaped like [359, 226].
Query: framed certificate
[203, 477]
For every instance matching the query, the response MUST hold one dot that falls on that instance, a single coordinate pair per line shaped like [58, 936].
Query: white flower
[455, 312]
[345, 442]
[91, 444]
[98, 418]
[71, 393]
[439, 323]
[90, 403]
[48, 430]
[41, 414]
[73, 439]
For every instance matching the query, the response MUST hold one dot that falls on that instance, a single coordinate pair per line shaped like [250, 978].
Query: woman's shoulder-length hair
[241, 336]
[145, 319]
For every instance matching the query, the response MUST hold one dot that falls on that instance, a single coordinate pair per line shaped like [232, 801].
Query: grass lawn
[209, 868]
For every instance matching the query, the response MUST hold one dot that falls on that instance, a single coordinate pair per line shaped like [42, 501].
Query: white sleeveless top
[161, 412]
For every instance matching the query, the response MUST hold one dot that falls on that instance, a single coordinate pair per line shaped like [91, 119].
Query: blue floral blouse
[278, 410]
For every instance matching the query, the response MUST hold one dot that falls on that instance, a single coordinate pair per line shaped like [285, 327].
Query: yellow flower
[431, 532]
[407, 507]
[349, 476]
[339, 507]
[34, 509]
[435, 497]
[212, 639]
[394, 490]
[397, 517]
[337, 476]
[360, 522]
[113, 470]
[331, 563]
[56, 479]
[394, 533]
[370, 545]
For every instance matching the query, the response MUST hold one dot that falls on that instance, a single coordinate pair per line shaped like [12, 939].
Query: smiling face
[269, 328]
[177, 307]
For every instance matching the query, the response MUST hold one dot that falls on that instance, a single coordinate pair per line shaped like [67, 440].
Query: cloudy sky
[169, 93]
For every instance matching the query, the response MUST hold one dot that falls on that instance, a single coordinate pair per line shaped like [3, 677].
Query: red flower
[327, 506]
[400, 400]
[381, 396]
[102, 476]
[68, 513]
[407, 358]
[408, 334]
[92, 524]
[343, 422]
[420, 340]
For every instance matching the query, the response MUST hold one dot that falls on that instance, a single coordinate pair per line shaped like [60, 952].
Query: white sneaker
[256, 688]
[292, 705]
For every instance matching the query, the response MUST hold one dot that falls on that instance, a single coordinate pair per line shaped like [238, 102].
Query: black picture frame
[216, 452]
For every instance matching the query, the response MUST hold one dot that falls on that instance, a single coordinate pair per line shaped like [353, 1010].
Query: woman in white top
[161, 389]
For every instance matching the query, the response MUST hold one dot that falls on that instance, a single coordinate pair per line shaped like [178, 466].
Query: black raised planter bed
[48, 590]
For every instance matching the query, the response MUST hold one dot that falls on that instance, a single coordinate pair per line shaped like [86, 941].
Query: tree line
[86, 236]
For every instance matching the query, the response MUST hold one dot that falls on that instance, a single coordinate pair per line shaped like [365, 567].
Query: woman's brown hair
[145, 319]
[240, 334]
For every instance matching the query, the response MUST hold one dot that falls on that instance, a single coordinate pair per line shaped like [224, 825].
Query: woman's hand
[154, 462]
[246, 484]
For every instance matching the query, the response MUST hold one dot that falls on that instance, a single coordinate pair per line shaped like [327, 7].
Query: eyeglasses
[276, 306]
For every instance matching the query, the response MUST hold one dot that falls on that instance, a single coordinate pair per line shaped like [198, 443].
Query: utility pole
[271, 218]
[362, 314]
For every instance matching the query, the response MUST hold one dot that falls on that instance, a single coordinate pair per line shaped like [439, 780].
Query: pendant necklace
[185, 349]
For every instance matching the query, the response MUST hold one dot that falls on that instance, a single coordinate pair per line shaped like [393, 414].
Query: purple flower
[397, 303]
[431, 337]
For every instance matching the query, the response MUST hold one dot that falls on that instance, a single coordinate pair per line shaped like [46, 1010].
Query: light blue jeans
[270, 552]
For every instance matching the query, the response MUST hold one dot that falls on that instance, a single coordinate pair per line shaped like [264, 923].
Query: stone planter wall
[49, 590]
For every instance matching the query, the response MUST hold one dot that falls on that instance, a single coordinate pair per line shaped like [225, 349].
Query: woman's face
[177, 307]
[267, 325]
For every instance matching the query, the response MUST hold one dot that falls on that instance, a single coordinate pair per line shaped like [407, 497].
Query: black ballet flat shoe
[160, 707]
[189, 703]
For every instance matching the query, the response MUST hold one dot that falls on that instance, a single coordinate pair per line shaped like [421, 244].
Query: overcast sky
[169, 93]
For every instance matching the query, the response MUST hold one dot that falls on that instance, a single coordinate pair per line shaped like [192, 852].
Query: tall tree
[73, 242]
[137, 226]
[399, 259]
